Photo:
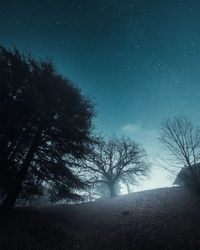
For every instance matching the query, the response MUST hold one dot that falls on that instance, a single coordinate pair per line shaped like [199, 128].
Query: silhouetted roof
[185, 173]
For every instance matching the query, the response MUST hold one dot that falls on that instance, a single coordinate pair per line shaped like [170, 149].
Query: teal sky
[138, 60]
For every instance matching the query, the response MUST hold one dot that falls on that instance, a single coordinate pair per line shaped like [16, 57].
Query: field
[165, 218]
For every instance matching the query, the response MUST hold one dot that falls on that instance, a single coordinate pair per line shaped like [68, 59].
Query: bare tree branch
[182, 140]
[114, 160]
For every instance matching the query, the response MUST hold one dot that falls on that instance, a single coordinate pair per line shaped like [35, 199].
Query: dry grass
[156, 219]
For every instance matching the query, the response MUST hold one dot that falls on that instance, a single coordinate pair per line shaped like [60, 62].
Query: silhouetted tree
[182, 140]
[113, 161]
[98, 189]
[44, 120]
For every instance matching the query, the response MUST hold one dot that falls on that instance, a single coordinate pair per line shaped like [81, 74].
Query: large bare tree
[115, 160]
[182, 139]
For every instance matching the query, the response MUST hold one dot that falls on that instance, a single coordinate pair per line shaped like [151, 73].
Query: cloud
[131, 128]
[145, 136]
[139, 131]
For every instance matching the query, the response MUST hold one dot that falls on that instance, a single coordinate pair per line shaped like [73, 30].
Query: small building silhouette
[185, 177]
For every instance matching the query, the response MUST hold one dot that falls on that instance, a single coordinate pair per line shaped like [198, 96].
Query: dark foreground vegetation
[165, 218]
[45, 126]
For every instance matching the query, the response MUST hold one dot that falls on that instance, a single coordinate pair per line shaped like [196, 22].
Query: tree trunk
[112, 190]
[128, 188]
[8, 158]
[13, 192]
[11, 197]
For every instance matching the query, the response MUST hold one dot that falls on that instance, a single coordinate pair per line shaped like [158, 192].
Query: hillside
[165, 218]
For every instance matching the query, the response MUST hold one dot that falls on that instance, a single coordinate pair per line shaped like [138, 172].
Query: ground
[165, 218]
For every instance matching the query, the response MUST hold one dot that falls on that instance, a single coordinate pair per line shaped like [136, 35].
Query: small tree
[44, 120]
[115, 160]
[182, 140]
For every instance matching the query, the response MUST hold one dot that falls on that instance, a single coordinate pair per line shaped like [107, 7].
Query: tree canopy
[115, 160]
[44, 120]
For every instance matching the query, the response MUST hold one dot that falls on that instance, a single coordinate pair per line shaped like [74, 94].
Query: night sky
[139, 60]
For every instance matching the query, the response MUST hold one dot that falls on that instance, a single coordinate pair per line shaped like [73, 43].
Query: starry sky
[139, 60]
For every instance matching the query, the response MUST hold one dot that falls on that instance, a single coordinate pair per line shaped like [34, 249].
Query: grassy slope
[158, 219]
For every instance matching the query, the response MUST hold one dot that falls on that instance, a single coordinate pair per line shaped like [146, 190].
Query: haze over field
[158, 219]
